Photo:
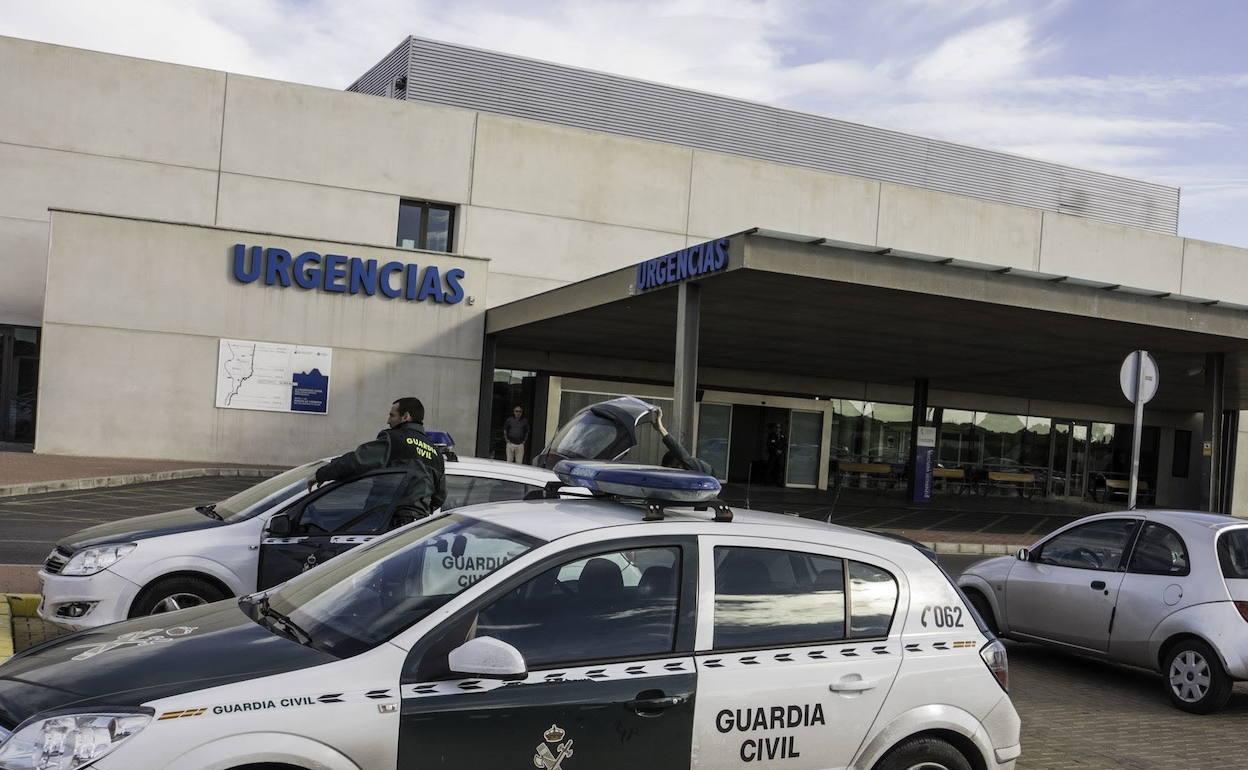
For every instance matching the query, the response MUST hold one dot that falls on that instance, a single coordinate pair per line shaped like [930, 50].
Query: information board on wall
[273, 377]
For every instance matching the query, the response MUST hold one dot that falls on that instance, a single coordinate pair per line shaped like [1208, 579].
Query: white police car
[168, 561]
[645, 626]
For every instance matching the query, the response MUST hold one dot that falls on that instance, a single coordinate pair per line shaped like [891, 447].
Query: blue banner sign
[702, 259]
[346, 275]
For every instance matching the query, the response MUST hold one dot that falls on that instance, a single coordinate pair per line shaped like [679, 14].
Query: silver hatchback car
[1163, 590]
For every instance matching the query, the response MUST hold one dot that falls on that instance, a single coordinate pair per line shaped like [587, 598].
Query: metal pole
[1211, 481]
[685, 385]
[1139, 428]
[485, 396]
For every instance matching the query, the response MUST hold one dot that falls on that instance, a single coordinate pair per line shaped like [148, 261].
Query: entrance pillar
[485, 396]
[685, 384]
[920, 465]
[1211, 498]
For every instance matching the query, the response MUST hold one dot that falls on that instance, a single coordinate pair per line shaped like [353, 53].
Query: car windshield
[373, 592]
[270, 492]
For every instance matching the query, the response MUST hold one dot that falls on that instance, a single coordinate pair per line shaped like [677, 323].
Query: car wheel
[984, 609]
[923, 753]
[175, 594]
[1195, 679]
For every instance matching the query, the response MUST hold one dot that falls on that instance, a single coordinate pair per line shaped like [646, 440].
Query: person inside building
[404, 444]
[776, 445]
[516, 434]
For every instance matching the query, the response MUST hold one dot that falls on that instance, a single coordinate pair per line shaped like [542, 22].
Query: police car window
[1096, 546]
[457, 489]
[359, 507]
[268, 493]
[613, 606]
[366, 596]
[1159, 551]
[774, 598]
[872, 601]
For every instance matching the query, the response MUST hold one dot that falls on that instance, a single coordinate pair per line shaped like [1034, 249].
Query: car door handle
[854, 683]
[1098, 585]
[652, 702]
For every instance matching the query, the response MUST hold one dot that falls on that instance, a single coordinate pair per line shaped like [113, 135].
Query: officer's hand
[658, 418]
[312, 483]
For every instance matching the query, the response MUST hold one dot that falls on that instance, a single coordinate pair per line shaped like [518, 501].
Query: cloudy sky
[1156, 89]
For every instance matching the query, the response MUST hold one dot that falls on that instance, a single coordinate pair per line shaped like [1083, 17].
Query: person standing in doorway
[776, 446]
[516, 434]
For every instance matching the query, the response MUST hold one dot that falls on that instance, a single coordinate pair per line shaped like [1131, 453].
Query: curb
[14, 606]
[98, 482]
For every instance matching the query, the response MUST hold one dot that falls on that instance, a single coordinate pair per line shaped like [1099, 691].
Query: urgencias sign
[701, 259]
[311, 270]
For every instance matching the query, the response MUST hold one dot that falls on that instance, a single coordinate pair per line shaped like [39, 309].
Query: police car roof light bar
[639, 482]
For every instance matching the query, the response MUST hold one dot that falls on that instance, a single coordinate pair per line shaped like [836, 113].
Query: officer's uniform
[407, 447]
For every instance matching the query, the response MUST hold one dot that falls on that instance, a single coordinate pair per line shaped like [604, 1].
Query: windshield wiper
[210, 511]
[279, 621]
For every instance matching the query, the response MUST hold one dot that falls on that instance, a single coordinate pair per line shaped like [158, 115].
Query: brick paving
[27, 632]
[27, 467]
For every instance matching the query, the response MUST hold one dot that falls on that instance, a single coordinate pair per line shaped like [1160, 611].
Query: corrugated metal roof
[475, 79]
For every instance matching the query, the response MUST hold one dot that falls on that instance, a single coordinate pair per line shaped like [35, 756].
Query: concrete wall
[133, 373]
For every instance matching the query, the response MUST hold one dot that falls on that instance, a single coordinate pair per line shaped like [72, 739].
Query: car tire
[981, 605]
[1194, 679]
[177, 593]
[924, 752]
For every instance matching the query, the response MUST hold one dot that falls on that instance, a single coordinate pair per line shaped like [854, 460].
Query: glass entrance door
[1068, 459]
[805, 434]
[715, 436]
[19, 383]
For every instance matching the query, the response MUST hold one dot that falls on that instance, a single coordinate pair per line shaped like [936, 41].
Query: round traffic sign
[1126, 376]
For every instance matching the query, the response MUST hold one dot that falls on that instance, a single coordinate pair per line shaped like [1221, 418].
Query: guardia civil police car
[644, 625]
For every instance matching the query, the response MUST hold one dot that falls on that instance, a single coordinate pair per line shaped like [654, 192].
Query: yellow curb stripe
[6, 632]
[23, 605]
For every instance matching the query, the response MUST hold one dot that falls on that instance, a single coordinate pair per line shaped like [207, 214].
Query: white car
[1162, 590]
[168, 561]
[645, 626]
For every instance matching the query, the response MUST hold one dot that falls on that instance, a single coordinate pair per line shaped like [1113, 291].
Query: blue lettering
[652, 273]
[641, 277]
[383, 280]
[335, 273]
[721, 253]
[363, 276]
[456, 293]
[660, 271]
[277, 267]
[431, 286]
[308, 277]
[670, 262]
[413, 281]
[240, 257]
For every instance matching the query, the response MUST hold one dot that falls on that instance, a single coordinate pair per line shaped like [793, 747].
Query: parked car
[168, 561]
[508, 634]
[1162, 590]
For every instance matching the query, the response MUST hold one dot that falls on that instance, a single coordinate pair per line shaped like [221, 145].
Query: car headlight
[68, 741]
[89, 561]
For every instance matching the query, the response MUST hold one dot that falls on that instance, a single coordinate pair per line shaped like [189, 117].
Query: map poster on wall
[273, 377]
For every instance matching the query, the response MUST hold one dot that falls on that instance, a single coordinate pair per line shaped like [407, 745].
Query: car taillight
[998, 662]
[1243, 609]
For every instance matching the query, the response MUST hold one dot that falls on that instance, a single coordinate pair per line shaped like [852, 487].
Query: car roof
[467, 466]
[570, 515]
[1184, 521]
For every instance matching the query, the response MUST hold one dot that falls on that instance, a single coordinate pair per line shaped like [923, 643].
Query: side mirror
[488, 658]
[280, 526]
[1024, 554]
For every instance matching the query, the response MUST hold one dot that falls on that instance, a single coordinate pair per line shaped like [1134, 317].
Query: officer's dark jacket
[407, 447]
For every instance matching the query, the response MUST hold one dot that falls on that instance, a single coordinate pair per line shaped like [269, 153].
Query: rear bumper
[1004, 727]
[110, 596]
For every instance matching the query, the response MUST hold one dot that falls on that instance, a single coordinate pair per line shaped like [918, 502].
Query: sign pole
[1139, 428]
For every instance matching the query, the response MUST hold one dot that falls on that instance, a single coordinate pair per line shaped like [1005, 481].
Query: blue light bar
[645, 482]
[440, 438]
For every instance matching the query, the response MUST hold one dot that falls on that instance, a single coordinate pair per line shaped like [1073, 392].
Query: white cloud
[1001, 50]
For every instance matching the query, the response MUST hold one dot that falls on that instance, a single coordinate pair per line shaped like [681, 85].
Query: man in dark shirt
[516, 434]
[403, 445]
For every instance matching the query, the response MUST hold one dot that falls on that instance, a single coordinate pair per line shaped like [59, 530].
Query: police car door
[327, 523]
[607, 634]
[797, 650]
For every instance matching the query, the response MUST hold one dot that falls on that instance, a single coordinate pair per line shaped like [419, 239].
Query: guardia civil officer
[403, 445]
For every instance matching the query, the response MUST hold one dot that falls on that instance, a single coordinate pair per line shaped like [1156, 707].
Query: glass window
[805, 436]
[267, 493]
[959, 444]
[772, 598]
[1098, 546]
[369, 594]
[714, 435]
[887, 432]
[359, 507]
[472, 490]
[1181, 461]
[873, 600]
[620, 605]
[1159, 551]
[426, 226]
[1233, 554]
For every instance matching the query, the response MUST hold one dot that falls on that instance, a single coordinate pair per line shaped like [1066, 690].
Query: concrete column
[685, 387]
[1211, 433]
[918, 417]
[485, 396]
